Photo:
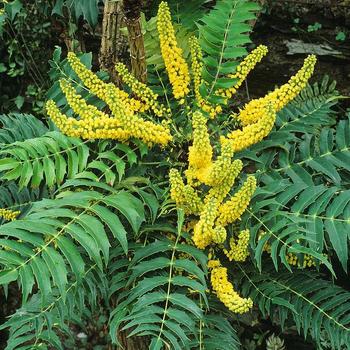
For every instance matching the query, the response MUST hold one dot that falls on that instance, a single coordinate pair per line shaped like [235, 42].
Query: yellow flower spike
[97, 86]
[191, 176]
[177, 187]
[101, 128]
[65, 124]
[233, 209]
[202, 235]
[175, 64]
[238, 140]
[244, 68]
[213, 263]
[280, 96]
[203, 232]
[147, 96]
[144, 130]
[225, 291]
[201, 152]
[193, 202]
[78, 103]
[219, 234]
[196, 67]
[90, 79]
[220, 192]
[185, 196]
[214, 174]
[8, 214]
[238, 247]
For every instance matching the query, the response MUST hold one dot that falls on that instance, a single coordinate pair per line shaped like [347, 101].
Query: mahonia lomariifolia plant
[215, 206]
[156, 274]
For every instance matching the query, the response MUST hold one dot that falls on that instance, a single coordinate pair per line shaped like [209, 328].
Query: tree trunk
[113, 42]
[132, 343]
[132, 11]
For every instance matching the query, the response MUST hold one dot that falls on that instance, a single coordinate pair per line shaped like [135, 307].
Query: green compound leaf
[50, 158]
[223, 34]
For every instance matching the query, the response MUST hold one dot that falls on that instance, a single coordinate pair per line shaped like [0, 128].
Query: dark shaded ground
[8, 307]
[278, 25]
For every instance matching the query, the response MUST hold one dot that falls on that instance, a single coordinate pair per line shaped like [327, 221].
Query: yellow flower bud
[175, 64]
[8, 214]
[225, 291]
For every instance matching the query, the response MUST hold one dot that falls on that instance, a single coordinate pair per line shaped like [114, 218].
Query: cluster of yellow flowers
[84, 128]
[244, 68]
[210, 177]
[303, 261]
[212, 173]
[204, 232]
[240, 75]
[214, 213]
[222, 186]
[214, 210]
[238, 139]
[175, 64]
[99, 87]
[141, 90]
[8, 214]
[92, 124]
[210, 228]
[184, 195]
[201, 152]
[122, 124]
[281, 96]
[237, 204]
[2, 10]
[144, 130]
[258, 116]
[197, 66]
[306, 261]
[238, 247]
[225, 291]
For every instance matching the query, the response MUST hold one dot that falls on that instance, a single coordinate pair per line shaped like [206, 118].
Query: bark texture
[132, 343]
[113, 43]
[132, 11]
